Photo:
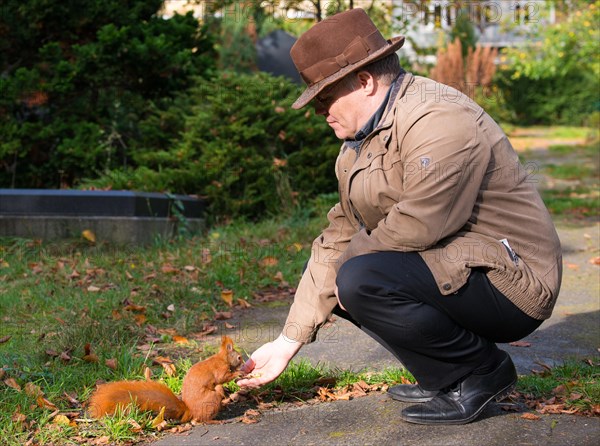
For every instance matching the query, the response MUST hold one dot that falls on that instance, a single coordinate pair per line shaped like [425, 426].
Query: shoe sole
[498, 397]
[410, 400]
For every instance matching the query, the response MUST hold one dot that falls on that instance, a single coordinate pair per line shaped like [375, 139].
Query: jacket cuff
[305, 334]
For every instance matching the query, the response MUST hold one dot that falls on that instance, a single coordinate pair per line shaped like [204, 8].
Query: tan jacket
[438, 176]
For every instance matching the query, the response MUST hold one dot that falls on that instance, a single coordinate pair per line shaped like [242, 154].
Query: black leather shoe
[411, 393]
[463, 403]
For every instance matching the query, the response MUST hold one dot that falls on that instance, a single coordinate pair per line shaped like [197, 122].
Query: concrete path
[573, 331]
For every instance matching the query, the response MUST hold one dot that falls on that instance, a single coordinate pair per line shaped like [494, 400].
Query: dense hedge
[80, 81]
[110, 94]
[550, 100]
[243, 147]
[556, 78]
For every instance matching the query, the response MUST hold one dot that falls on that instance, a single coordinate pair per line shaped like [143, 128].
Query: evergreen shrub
[79, 81]
[242, 147]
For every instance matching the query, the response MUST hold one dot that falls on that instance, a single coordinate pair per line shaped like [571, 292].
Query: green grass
[301, 379]
[56, 298]
[575, 383]
[559, 132]
[570, 171]
[587, 152]
[575, 202]
[568, 132]
[574, 172]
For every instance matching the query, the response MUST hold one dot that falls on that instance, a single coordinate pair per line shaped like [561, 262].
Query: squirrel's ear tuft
[226, 342]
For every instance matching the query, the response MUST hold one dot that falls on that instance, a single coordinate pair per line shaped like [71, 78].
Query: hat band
[355, 51]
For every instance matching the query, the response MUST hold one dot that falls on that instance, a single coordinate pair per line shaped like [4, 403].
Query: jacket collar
[375, 119]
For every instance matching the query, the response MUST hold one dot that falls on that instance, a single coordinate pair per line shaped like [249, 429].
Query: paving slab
[373, 420]
[573, 331]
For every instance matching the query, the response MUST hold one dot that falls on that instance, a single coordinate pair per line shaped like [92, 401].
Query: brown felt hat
[335, 47]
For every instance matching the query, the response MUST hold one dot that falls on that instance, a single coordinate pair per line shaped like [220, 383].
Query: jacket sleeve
[315, 299]
[443, 166]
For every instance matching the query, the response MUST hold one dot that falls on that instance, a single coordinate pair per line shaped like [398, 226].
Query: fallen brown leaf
[4, 339]
[72, 399]
[344, 396]
[227, 297]
[89, 236]
[11, 382]
[139, 319]
[92, 357]
[88, 355]
[552, 408]
[243, 303]
[167, 268]
[18, 417]
[111, 363]
[520, 344]
[268, 261]
[251, 416]
[101, 440]
[324, 394]
[135, 308]
[180, 340]
[45, 404]
[181, 428]
[247, 420]
[159, 420]
[530, 416]
[135, 426]
[33, 390]
[575, 396]
[62, 420]
[167, 365]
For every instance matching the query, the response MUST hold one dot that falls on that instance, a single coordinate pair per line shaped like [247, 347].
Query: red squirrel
[202, 390]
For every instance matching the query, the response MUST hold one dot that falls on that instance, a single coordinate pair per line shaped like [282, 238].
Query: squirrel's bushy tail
[147, 395]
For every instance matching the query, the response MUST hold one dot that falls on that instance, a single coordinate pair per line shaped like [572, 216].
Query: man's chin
[339, 132]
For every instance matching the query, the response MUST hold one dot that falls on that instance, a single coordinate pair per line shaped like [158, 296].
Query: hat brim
[309, 94]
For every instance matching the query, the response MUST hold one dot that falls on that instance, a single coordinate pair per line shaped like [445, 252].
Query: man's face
[341, 108]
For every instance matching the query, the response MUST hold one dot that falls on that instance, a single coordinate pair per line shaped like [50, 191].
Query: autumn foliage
[465, 74]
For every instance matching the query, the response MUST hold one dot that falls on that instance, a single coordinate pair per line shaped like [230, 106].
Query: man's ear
[367, 82]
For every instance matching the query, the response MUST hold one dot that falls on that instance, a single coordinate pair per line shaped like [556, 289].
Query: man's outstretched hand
[268, 362]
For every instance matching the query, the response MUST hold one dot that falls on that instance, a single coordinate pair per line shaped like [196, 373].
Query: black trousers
[440, 339]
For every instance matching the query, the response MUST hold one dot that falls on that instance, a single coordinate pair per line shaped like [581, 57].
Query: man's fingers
[250, 383]
[248, 366]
